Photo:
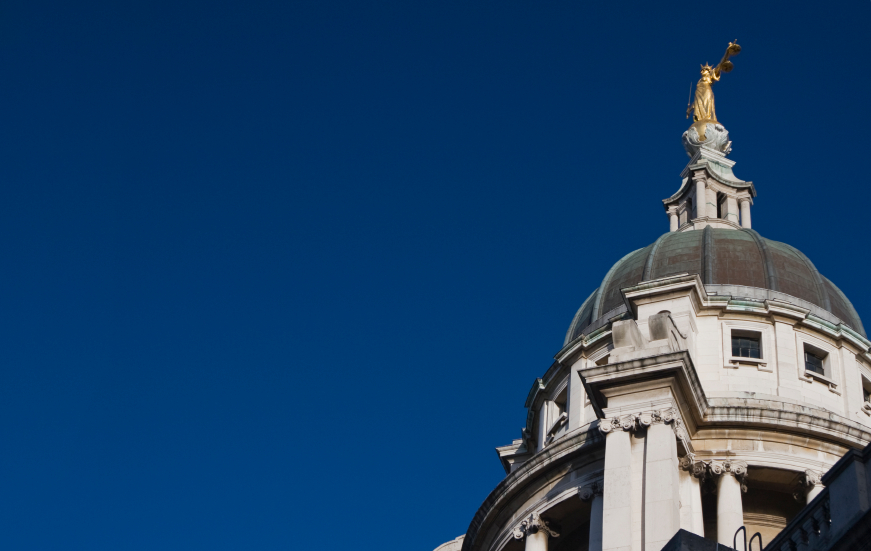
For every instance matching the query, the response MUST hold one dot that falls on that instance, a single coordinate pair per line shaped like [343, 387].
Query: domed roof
[733, 262]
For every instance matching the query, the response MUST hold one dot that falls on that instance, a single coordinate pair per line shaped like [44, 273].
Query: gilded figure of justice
[706, 130]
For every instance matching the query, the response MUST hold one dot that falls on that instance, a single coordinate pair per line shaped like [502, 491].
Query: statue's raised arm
[725, 66]
[704, 101]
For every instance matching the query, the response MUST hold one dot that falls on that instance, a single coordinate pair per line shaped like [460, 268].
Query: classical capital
[612, 424]
[642, 420]
[807, 480]
[532, 525]
[738, 469]
[588, 491]
[697, 468]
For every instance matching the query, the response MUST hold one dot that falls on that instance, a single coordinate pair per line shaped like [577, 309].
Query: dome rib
[707, 256]
[648, 264]
[597, 306]
[770, 271]
[818, 279]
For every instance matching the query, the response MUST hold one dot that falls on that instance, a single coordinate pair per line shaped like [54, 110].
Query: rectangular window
[745, 346]
[813, 362]
[817, 363]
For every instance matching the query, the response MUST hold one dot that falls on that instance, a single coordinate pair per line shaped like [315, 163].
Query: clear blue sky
[280, 275]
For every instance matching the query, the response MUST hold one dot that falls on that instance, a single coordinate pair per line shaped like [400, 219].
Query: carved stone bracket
[533, 525]
[588, 491]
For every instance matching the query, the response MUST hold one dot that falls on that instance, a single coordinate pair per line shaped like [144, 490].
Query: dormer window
[745, 346]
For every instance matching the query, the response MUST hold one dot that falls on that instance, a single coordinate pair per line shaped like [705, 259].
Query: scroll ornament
[806, 480]
[586, 493]
[737, 468]
[637, 421]
[532, 525]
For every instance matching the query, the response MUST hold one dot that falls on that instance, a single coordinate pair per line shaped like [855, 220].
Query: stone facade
[652, 419]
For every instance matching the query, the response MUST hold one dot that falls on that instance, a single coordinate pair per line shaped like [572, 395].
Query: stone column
[731, 213]
[536, 532]
[617, 498]
[730, 510]
[673, 222]
[745, 213]
[661, 482]
[593, 494]
[809, 486]
[711, 205]
[701, 198]
[691, 475]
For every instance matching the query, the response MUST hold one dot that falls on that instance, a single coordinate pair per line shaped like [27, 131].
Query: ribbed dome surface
[720, 257]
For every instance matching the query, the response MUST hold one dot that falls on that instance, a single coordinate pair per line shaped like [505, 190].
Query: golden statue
[704, 104]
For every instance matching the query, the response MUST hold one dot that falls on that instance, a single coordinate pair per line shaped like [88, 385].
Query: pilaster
[593, 493]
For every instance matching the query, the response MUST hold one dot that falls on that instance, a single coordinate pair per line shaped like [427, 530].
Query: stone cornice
[675, 365]
[583, 343]
[583, 441]
[784, 417]
[777, 310]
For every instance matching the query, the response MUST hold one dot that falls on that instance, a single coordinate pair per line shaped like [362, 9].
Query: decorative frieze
[533, 525]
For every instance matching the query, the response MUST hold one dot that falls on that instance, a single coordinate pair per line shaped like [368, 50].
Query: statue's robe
[704, 106]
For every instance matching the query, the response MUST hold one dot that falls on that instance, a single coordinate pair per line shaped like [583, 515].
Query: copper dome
[752, 266]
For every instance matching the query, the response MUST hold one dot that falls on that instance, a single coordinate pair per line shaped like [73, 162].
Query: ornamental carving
[738, 469]
[698, 469]
[589, 491]
[642, 420]
[807, 480]
[533, 525]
